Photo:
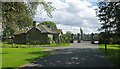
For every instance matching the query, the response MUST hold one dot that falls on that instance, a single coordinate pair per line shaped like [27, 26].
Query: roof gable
[18, 32]
[41, 28]
[34, 28]
[45, 29]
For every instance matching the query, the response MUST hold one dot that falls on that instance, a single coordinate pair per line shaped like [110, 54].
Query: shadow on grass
[113, 55]
[118, 46]
[3, 53]
[40, 54]
[8, 67]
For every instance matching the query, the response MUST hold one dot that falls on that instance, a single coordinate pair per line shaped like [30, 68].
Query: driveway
[82, 54]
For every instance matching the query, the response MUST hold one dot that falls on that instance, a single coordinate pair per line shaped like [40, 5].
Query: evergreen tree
[81, 32]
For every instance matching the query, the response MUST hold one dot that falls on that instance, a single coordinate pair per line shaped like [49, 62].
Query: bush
[49, 40]
[116, 41]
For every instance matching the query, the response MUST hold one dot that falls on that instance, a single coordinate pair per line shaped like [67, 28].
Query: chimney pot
[34, 23]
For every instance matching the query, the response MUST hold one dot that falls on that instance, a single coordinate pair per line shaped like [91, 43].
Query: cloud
[71, 15]
[66, 28]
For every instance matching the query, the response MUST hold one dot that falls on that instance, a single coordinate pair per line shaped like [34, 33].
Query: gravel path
[81, 54]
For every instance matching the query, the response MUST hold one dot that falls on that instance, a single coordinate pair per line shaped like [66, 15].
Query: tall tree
[81, 32]
[109, 14]
[15, 16]
[104, 16]
[32, 6]
[19, 15]
[117, 18]
[0, 18]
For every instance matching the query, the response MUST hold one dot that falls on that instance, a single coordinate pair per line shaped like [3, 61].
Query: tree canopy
[109, 15]
[15, 16]
[19, 15]
[67, 37]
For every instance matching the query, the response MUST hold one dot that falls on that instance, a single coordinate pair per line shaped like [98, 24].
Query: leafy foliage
[109, 15]
[67, 37]
[32, 6]
[15, 16]
[19, 15]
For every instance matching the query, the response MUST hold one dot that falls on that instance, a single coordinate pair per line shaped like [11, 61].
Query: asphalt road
[82, 54]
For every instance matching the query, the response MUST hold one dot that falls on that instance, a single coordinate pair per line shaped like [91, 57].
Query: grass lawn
[15, 57]
[113, 53]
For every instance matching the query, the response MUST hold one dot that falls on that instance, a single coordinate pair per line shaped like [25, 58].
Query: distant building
[86, 37]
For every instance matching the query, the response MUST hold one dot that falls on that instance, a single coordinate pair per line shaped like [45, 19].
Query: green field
[15, 57]
[113, 53]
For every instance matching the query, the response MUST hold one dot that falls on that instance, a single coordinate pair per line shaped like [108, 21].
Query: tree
[32, 6]
[81, 32]
[15, 16]
[78, 37]
[104, 16]
[19, 15]
[67, 37]
[117, 19]
[0, 18]
[109, 14]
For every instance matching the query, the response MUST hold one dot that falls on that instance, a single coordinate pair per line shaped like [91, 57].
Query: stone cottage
[40, 34]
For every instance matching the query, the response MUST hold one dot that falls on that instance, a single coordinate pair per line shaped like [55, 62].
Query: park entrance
[75, 38]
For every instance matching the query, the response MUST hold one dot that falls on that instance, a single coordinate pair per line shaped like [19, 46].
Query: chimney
[48, 26]
[34, 23]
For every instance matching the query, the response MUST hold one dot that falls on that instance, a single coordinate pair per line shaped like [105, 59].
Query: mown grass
[113, 53]
[15, 57]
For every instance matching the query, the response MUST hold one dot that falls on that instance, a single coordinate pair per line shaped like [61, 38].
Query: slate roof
[18, 32]
[45, 29]
[42, 28]
[58, 31]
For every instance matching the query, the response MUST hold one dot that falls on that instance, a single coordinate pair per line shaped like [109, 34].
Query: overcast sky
[71, 15]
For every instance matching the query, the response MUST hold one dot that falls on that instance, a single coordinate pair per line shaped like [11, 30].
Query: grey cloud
[70, 16]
